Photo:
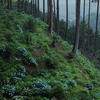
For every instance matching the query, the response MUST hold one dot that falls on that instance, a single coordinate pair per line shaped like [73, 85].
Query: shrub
[8, 90]
[8, 51]
[70, 55]
[51, 62]
[29, 24]
[59, 92]
[52, 72]
[28, 59]
[43, 46]
[86, 97]
[72, 83]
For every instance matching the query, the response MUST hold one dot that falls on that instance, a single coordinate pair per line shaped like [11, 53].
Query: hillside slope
[37, 66]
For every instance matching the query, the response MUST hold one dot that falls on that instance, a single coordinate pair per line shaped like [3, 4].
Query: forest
[43, 57]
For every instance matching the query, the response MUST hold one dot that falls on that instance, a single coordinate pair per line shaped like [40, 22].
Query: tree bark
[83, 27]
[75, 48]
[35, 8]
[96, 33]
[48, 8]
[22, 5]
[58, 17]
[54, 12]
[31, 7]
[51, 18]
[8, 4]
[38, 9]
[66, 19]
[19, 6]
[43, 10]
[25, 6]
[89, 26]
[11, 4]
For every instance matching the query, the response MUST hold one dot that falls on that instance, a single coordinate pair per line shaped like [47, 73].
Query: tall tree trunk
[31, 7]
[35, 8]
[48, 8]
[22, 5]
[38, 9]
[75, 48]
[54, 13]
[66, 19]
[8, 4]
[96, 33]
[11, 4]
[19, 6]
[58, 17]
[89, 26]
[83, 27]
[25, 6]
[51, 18]
[43, 10]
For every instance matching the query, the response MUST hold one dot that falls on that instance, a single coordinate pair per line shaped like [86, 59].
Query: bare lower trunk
[11, 4]
[83, 27]
[89, 26]
[43, 10]
[96, 33]
[51, 18]
[66, 19]
[31, 7]
[58, 17]
[25, 6]
[75, 48]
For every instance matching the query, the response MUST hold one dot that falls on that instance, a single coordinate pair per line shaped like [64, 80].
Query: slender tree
[51, 17]
[25, 6]
[89, 26]
[35, 8]
[43, 10]
[22, 5]
[66, 19]
[58, 17]
[75, 48]
[96, 33]
[31, 7]
[83, 27]
[11, 4]
[8, 4]
[38, 9]
[19, 6]
[48, 10]
[54, 12]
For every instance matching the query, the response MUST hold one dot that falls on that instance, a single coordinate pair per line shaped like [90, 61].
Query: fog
[71, 8]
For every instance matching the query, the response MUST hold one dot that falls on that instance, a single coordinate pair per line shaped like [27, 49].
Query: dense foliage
[31, 68]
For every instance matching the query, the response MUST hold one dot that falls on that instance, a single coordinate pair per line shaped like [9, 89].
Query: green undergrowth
[34, 66]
